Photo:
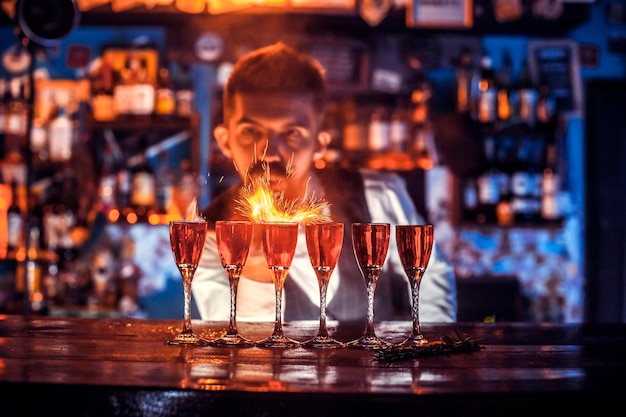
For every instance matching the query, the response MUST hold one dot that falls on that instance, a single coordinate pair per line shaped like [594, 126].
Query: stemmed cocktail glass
[415, 244]
[187, 241]
[233, 238]
[324, 242]
[279, 247]
[370, 242]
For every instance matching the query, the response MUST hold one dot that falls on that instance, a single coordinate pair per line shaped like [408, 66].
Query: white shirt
[388, 202]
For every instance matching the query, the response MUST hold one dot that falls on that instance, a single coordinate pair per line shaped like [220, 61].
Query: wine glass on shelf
[187, 241]
[370, 242]
[415, 244]
[324, 242]
[279, 247]
[234, 238]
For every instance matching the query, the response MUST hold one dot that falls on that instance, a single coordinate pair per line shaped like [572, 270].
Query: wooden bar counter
[121, 367]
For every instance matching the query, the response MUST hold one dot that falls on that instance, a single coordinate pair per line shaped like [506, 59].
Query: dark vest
[345, 193]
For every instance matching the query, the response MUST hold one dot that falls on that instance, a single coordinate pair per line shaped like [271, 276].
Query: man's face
[280, 130]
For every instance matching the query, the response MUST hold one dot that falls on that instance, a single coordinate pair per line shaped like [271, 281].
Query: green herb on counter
[445, 346]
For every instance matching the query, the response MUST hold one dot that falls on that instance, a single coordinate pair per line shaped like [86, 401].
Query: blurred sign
[437, 13]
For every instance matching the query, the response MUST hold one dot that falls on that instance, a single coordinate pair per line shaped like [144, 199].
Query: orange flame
[262, 205]
[192, 210]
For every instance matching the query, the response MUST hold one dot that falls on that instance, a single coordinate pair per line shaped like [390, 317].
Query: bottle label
[143, 189]
[488, 189]
[14, 229]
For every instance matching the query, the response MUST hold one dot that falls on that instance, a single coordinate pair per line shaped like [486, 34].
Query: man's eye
[250, 134]
[294, 137]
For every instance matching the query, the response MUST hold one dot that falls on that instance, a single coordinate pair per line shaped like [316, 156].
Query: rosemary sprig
[447, 345]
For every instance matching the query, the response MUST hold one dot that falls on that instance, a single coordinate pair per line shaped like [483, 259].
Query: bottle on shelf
[399, 129]
[504, 98]
[165, 96]
[143, 194]
[123, 90]
[61, 130]
[5, 201]
[466, 81]
[16, 120]
[354, 131]
[123, 190]
[107, 186]
[470, 200]
[15, 219]
[546, 106]
[378, 134]
[4, 100]
[551, 210]
[488, 184]
[526, 181]
[165, 182]
[103, 105]
[142, 101]
[187, 187]
[527, 110]
[487, 93]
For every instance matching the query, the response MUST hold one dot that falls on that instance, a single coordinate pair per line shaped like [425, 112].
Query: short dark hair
[277, 68]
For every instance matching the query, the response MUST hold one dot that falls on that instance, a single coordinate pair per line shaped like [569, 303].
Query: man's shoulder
[221, 207]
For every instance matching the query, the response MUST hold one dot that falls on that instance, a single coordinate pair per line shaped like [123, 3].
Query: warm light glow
[261, 204]
[114, 215]
[131, 218]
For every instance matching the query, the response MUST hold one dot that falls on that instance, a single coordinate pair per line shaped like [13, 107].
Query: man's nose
[271, 150]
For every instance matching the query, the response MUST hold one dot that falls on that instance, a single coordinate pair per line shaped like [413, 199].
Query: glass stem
[415, 277]
[187, 274]
[323, 332]
[233, 278]
[372, 279]
[278, 283]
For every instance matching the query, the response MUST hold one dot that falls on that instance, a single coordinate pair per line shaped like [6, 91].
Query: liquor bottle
[107, 183]
[546, 105]
[470, 200]
[143, 194]
[187, 187]
[123, 90]
[486, 91]
[399, 129]
[102, 99]
[378, 132]
[504, 98]
[488, 184]
[527, 96]
[3, 116]
[354, 131]
[15, 220]
[551, 188]
[60, 131]
[17, 120]
[526, 181]
[165, 182]
[466, 78]
[124, 189]
[5, 201]
[165, 96]
[142, 101]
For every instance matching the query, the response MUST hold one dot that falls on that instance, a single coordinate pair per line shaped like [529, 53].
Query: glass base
[232, 340]
[322, 342]
[189, 340]
[368, 342]
[412, 342]
[278, 341]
